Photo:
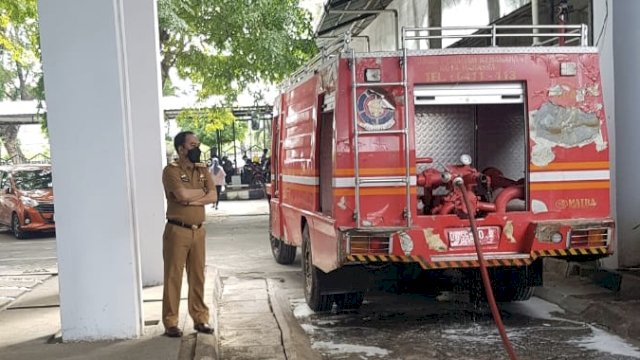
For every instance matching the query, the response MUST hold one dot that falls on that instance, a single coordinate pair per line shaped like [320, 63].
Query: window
[33, 179]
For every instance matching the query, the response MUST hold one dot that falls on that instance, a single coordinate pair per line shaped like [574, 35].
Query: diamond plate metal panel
[444, 132]
[501, 139]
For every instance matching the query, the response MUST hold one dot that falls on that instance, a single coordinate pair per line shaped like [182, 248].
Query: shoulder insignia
[201, 165]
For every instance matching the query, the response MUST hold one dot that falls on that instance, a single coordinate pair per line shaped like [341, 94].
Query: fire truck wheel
[312, 278]
[350, 300]
[283, 253]
[513, 285]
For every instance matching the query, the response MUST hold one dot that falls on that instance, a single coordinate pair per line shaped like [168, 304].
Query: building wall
[623, 32]
[382, 31]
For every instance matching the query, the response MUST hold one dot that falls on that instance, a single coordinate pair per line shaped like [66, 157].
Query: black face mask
[194, 155]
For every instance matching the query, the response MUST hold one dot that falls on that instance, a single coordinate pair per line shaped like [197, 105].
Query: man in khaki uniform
[188, 187]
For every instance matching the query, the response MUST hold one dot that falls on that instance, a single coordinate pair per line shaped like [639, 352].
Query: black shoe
[203, 328]
[173, 332]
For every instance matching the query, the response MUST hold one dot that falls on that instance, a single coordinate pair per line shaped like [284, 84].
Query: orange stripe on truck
[570, 185]
[585, 165]
[374, 172]
[373, 191]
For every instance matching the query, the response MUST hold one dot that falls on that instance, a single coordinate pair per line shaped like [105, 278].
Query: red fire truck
[367, 147]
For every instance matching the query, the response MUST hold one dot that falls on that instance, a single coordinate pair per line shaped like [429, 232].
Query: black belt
[188, 226]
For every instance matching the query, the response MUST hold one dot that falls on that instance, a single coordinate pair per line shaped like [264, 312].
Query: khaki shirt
[175, 176]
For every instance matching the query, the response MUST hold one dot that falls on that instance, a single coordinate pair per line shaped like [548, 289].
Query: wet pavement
[409, 326]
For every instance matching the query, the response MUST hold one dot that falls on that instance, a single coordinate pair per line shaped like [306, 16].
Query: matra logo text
[586, 203]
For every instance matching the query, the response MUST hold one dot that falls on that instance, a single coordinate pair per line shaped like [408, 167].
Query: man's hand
[188, 195]
[208, 198]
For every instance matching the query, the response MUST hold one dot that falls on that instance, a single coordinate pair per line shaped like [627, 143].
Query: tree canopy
[225, 45]
[206, 123]
[20, 77]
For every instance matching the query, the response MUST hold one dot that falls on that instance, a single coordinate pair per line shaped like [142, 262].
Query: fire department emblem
[375, 111]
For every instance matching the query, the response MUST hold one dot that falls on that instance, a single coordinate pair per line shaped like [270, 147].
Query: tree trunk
[9, 136]
[435, 20]
[9, 132]
[166, 58]
[494, 10]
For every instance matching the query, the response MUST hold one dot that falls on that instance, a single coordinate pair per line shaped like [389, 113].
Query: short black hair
[181, 138]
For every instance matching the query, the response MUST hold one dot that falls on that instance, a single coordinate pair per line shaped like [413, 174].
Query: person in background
[218, 174]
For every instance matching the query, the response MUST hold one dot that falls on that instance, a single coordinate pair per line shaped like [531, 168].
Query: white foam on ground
[300, 309]
[479, 334]
[332, 348]
[470, 336]
[308, 328]
[327, 322]
[602, 341]
[534, 308]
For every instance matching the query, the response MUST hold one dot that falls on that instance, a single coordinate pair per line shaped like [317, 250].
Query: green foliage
[206, 123]
[19, 50]
[19, 62]
[224, 45]
[18, 18]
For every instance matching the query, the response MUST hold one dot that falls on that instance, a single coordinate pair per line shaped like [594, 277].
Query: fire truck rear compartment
[493, 134]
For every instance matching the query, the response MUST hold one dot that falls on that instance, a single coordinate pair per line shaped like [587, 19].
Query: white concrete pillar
[143, 64]
[102, 100]
[626, 32]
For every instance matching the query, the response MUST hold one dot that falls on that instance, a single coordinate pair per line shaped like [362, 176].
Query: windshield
[33, 179]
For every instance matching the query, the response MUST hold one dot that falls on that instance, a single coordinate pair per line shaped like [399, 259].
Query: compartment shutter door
[469, 94]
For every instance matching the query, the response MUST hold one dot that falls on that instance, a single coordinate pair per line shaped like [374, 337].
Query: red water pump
[441, 199]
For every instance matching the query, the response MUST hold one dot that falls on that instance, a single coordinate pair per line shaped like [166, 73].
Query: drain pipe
[535, 20]
[459, 183]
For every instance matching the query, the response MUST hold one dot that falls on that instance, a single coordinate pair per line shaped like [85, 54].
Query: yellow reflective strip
[517, 262]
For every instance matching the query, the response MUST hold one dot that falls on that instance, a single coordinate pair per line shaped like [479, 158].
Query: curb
[295, 341]
[608, 313]
[207, 346]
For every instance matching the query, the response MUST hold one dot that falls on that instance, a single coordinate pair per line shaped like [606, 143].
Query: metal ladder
[357, 133]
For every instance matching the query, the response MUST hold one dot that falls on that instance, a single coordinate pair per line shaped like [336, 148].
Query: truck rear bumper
[471, 260]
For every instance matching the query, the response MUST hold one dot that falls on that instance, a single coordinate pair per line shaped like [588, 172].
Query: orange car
[26, 199]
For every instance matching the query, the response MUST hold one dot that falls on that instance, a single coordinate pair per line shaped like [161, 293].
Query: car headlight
[29, 202]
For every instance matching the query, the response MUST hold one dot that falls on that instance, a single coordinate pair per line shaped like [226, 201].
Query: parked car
[26, 199]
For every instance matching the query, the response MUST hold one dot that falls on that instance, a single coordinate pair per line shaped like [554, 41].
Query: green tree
[224, 45]
[205, 123]
[19, 61]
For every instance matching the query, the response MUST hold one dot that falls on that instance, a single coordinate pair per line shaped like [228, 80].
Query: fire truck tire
[283, 253]
[312, 278]
[514, 292]
[350, 300]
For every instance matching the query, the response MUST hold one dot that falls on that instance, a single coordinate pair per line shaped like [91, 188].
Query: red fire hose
[459, 183]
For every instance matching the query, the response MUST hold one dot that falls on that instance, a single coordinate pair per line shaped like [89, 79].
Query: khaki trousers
[182, 248]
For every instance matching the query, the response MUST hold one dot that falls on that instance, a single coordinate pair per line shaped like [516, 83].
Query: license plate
[488, 235]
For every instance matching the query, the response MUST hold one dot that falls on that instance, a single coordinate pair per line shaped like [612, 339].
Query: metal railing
[563, 34]
[540, 35]
[36, 159]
